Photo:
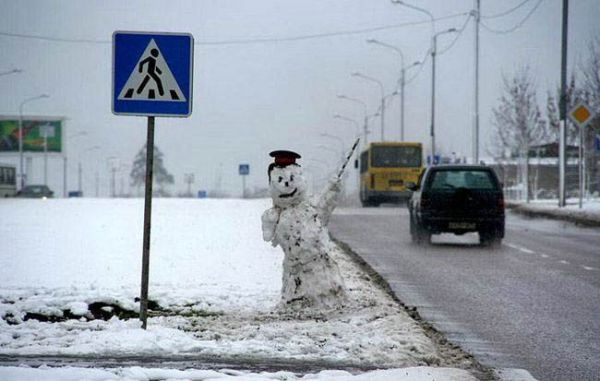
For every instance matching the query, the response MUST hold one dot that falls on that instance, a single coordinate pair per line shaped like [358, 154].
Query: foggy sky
[251, 97]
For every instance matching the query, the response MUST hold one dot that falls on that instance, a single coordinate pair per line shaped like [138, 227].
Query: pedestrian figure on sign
[151, 72]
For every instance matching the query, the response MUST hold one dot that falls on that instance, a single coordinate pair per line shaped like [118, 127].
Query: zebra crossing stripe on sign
[151, 79]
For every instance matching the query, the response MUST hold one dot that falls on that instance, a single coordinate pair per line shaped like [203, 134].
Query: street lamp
[360, 75]
[342, 145]
[21, 134]
[75, 135]
[113, 164]
[370, 116]
[356, 125]
[402, 80]
[365, 132]
[433, 53]
[13, 71]
[423, 10]
[80, 170]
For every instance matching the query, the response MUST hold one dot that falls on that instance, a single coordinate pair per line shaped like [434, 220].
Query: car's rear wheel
[490, 238]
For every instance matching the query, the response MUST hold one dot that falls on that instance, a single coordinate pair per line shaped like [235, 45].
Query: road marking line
[544, 255]
[589, 268]
[526, 250]
[520, 248]
[564, 262]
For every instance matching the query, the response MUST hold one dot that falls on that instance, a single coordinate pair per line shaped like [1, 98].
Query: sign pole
[147, 222]
[581, 115]
[243, 186]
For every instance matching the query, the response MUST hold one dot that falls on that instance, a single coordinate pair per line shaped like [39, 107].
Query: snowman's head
[287, 185]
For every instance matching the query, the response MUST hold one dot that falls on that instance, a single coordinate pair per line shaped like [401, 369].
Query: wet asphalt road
[534, 303]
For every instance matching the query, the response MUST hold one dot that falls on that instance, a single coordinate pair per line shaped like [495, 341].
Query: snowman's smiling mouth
[286, 195]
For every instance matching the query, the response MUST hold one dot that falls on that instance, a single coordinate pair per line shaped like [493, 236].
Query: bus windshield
[395, 156]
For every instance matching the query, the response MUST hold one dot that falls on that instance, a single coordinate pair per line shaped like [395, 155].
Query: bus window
[396, 156]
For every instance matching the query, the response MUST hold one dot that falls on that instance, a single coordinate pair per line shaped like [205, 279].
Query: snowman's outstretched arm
[269, 219]
[329, 197]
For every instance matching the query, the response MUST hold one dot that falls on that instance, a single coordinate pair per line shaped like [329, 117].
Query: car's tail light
[501, 203]
[372, 181]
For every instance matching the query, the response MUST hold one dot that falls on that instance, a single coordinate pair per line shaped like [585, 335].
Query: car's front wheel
[418, 234]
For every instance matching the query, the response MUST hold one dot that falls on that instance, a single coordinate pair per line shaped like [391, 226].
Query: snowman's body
[311, 278]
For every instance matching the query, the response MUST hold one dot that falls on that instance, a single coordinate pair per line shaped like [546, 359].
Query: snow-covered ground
[70, 273]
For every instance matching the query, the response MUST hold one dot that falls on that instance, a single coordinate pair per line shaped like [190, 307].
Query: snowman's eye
[280, 179]
[292, 178]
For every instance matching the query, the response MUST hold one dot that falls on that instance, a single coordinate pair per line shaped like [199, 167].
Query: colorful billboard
[35, 131]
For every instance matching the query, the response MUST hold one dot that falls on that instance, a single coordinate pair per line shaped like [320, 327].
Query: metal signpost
[244, 171]
[151, 76]
[581, 115]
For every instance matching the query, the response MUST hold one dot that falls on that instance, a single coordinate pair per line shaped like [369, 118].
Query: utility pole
[562, 159]
[476, 101]
[433, 53]
[432, 131]
[79, 176]
[188, 178]
[382, 89]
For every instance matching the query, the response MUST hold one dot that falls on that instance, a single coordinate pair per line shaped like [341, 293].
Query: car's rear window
[470, 179]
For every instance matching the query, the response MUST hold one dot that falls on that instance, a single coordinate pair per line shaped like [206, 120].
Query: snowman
[298, 224]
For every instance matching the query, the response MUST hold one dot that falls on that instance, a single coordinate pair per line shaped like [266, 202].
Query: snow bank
[588, 214]
[216, 283]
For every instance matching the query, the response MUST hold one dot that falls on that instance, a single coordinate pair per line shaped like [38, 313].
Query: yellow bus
[386, 169]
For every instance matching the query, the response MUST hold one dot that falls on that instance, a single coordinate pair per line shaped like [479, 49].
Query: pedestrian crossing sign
[152, 74]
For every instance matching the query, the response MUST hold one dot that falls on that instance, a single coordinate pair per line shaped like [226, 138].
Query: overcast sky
[266, 76]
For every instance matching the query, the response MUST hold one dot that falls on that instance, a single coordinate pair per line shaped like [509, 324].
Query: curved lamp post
[13, 71]
[402, 80]
[356, 125]
[365, 131]
[433, 53]
[382, 89]
[21, 134]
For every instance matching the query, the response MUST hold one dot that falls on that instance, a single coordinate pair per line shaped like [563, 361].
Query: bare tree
[517, 120]
[161, 175]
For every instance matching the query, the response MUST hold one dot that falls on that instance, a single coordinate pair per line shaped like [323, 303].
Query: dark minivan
[457, 199]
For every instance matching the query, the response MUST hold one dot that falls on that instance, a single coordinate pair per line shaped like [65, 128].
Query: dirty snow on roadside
[590, 210]
[69, 276]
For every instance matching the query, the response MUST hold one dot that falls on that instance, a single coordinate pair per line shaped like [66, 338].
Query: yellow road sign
[581, 114]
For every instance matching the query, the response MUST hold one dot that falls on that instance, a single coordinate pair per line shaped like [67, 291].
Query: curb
[529, 210]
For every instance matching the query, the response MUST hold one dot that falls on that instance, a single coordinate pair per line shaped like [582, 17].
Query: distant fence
[543, 179]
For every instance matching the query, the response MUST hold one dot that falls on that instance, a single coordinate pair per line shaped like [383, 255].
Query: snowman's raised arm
[328, 199]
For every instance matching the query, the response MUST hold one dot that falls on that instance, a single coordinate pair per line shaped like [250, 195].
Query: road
[533, 303]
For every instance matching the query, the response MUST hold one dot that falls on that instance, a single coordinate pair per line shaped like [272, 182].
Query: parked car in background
[457, 199]
[35, 191]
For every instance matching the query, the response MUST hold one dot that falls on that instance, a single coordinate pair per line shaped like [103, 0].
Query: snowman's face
[287, 185]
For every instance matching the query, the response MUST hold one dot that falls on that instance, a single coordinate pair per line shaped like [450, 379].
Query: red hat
[284, 158]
